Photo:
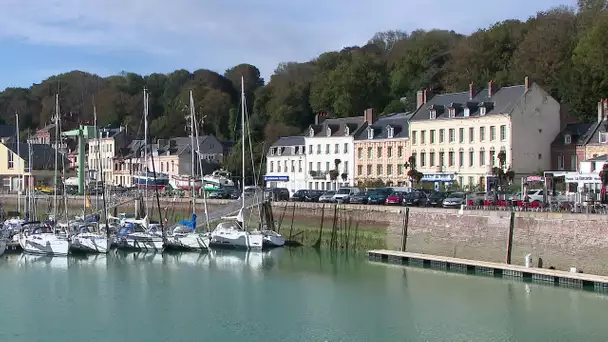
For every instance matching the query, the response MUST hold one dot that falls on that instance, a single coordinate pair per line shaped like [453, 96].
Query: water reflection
[39, 261]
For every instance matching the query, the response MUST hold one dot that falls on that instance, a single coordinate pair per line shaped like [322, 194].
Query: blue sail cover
[190, 224]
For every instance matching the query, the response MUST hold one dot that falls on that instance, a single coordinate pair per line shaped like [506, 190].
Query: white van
[343, 195]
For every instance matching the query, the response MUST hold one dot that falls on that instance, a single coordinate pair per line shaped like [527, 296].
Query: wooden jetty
[559, 278]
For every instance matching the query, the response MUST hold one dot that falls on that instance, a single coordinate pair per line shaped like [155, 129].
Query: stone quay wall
[561, 240]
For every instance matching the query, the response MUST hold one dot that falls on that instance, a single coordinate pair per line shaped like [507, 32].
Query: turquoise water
[284, 295]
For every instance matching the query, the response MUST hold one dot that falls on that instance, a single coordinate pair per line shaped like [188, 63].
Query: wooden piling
[510, 238]
[293, 214]
[317, 244]
[406, 219]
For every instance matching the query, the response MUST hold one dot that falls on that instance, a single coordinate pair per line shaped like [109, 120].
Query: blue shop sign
[276, 178]
[438, 177]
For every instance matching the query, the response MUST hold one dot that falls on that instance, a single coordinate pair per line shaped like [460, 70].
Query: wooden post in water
[510, 238]
[293, 214]
[317, 244]
[281, 218]
[333, 228]
[406, 219]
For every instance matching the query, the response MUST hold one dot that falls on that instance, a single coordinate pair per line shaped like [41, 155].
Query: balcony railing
[318, 174]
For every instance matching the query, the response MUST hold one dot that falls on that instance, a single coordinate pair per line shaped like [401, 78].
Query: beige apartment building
[382, 149]
[458, 136]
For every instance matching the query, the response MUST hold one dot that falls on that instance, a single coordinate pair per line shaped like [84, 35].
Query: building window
[310, 166]
[271, 166]
[452, 112]
[328, 131]
[279, 167]
[379, 170]
[461, 160]
[345, 166]
[482, 133]
[482, 158]
[432, 114]
[272, 150]
[482, 111]
[467, 112]
[389, 152]
[379, 152]
[441, 159]
[471, 134]
[360, 153]
[369, 170]
[471, 158]
[432, 159]
[299, 165]
[370, 133]
[310, 149]
[326, 148]
[560, 162]
[441, 135]
[319, 149]
[359, 170]
[345, 148]
[503, 132]
[492, 133]
[450, 159]
[432, 136]
[337, 148]
[573, 162]
[567, 139]
[389, 170]
[400, 169]
[451, 135]
[492, 158]
[414, 137]
[399, 152]
[370, 153]
[318, 167]
[423, 137]
[390, 132]
[161, 167]
[327, 167]
[603, 138]
[461, 135]
[285, 164]
[293, 166]
[422, 159]
[11, 160]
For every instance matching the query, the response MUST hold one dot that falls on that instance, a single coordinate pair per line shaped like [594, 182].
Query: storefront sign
[583, 178]
[276, 178]
[438, 177]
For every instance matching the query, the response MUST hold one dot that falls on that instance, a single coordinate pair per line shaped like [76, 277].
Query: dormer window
[311, 132]
[346, 131]
[328, 132]
[370, 133]
[604, 138]
[452, 112]
[433, 114]
[279, 151]
[390, 132]
[467, 112]
[482, 111]
[567, 139]
[272, 151]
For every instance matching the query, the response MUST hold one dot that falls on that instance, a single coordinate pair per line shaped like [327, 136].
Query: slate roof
[43, 155]
[580, 133]
[287, 146]
[398, 121]
[337, 126]
[179, 145]
[502, 102]
[594, 132]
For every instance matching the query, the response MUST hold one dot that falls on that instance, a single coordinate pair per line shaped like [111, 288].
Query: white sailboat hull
[44, 244]
[188, 241]
[2, 246]
[90, 243]
[237, 239]
[140, 241]
[273, 239]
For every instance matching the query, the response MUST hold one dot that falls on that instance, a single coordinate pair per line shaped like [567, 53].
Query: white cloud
[221, 33]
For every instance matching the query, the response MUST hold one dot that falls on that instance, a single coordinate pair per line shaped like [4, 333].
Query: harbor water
[280, 295]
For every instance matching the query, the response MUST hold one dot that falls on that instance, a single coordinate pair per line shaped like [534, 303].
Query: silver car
[327, 197]
[454, 200]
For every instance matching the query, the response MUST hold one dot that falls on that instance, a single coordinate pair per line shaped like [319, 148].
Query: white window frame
[370, 133]
[467, 112]
[482, 111]
[432, 114]
[390, 132]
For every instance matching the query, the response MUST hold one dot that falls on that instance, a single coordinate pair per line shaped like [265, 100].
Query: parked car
[360, 198]
[313, 195]
[343, 195]
[220, 194]
[395, 198]
[299, 196]
[378, 196]
[436, 199]
[454, 200]
[276, 194]
[536, 195]
[327, 197]
[414, 198]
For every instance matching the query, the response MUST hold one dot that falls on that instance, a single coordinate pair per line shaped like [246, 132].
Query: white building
[101, 157]
[286, 164]
[330, 146]
[459, 136]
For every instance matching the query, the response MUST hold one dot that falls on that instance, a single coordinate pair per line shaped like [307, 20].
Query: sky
[41, 38]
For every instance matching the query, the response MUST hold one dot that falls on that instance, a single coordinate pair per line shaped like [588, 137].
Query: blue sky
[40, 38]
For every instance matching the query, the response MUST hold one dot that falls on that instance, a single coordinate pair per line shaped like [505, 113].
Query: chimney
[369, 116]
[320, 117]
[490, 89]
[600, 110]
[471, 90]
[527, 83]
[420, 98]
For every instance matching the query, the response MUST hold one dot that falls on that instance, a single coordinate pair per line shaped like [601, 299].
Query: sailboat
[135, 234]
[85, 240]
[232, 233]
[40, 239]
[3, 243]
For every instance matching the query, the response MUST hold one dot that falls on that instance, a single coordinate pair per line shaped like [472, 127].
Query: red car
[396, 198]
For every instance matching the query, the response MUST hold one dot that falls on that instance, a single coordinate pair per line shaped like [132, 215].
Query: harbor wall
[561, 240]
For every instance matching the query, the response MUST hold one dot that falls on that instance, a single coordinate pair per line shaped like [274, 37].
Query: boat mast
[243, 145]
[103, 186]
[192, 165]
[99, 173]
[146, 149]
[56, 157]
[65, 196]
[200, 165]
[19, 180]
[30, 200]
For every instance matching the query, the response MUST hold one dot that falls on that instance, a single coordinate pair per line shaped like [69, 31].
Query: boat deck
[556, 277]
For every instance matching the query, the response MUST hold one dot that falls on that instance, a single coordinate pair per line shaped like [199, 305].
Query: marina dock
[550, 276]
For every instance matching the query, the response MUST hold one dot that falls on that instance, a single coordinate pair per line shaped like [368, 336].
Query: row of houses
[452, 137]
